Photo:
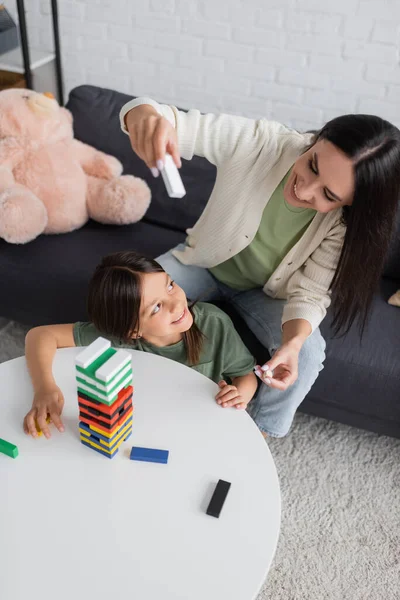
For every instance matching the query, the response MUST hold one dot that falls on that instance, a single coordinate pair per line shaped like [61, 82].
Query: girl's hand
[49, 402]
[229, 396]
[282, 370]
[151, 137]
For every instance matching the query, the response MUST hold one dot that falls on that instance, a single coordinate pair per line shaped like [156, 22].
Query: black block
[218, 498]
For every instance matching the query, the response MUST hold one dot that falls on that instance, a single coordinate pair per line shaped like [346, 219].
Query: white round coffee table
[74, 524]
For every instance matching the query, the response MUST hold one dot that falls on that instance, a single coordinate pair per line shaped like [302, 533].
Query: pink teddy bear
[52, 183]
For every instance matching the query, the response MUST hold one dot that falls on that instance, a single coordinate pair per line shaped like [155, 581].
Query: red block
[106, 430]
[104, 408]
[93, 413]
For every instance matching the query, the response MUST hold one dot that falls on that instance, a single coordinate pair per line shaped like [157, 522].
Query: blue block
[100, 451]
[128, 435]
[149, 455]
[109, 441]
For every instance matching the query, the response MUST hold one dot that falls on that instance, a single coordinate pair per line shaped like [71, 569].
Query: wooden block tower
[104, 378]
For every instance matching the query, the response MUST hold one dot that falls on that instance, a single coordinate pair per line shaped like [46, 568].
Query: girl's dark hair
[374, 146]
[115, 296]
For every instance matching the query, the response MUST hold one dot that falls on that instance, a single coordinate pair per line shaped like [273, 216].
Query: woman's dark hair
[115, 296]
[373, 144]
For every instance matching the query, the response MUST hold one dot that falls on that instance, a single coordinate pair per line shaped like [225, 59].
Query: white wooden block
[105, 397]
[113, 365]
[172, 179]
[93, 351]
[106, 387]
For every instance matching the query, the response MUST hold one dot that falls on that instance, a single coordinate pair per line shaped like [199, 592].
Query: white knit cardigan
[252, 157]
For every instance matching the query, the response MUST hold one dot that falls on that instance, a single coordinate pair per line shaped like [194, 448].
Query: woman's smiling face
[322, 179]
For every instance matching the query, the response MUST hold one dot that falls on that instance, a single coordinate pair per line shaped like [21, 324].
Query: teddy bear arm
[6, 178]
[10, 155]
[85, 154]
[96, 163]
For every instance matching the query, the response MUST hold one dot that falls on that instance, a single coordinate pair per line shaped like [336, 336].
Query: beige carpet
[340, 532]
[340, 535]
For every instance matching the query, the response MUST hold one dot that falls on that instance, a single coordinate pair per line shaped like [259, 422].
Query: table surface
[74, 524]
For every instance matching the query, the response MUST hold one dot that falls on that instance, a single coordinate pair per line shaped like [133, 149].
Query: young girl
[292, 218]
[133, 302]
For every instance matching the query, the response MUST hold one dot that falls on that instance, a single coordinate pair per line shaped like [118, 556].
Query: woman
[293, 219]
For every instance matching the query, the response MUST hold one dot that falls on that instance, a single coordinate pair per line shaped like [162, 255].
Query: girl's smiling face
[322, 179]
[164, 313]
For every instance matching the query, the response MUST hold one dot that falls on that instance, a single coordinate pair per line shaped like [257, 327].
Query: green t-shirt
[223, 356]
[280, 229]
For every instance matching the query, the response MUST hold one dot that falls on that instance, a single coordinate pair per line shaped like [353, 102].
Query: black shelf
[25, 47]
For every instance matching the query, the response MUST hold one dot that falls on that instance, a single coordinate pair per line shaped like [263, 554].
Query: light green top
[223, 356]
[281, 227]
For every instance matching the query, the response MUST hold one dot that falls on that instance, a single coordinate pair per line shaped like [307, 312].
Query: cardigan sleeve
[308, 289]
[215, 137]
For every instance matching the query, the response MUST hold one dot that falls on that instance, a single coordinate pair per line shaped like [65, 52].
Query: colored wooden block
[100, 418]
[109, 451]
[123, 395]
[102, 449]
[107, 426]
[172, 178]
[218, 498]
[38, 430]
[98, 362]
[107, 417]
[103, 430]
[99, 450]
[106, 364]
[102, 440]
[116, 363]
[108, 439]
[8, 449]
[100, 396]
[93, 395]
[105, 409]
[149, 455]
[105, 388]
[92, 352]
[84, 435]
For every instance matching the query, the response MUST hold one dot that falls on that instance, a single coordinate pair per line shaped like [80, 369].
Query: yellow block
[122, 424]
[104, 448]
[114, 440]
[39, 431]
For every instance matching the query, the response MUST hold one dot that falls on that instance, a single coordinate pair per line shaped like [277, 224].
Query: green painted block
[101, 387]
[111, 395]
[96, 364]
[95, 396]
[9, 449]
[101, 398]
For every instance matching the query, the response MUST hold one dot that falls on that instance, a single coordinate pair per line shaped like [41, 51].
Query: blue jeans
[271, 409]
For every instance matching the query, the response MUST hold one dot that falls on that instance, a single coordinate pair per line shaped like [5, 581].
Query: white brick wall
[299, 61]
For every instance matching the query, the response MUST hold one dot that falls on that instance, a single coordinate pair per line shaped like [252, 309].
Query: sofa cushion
[360, 382]
[46, 280]
[365, 375]
[95, 111]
